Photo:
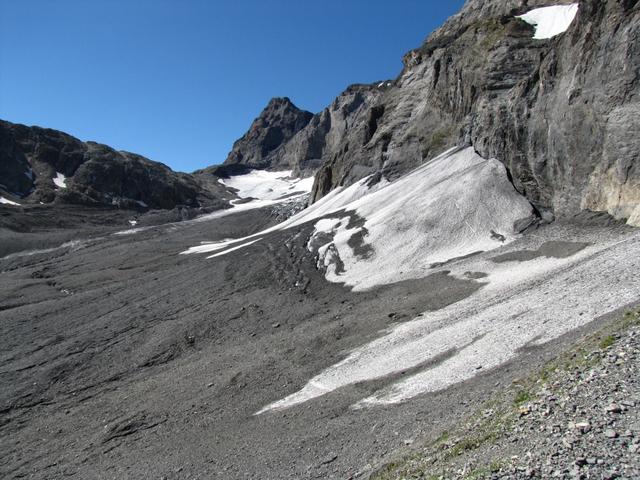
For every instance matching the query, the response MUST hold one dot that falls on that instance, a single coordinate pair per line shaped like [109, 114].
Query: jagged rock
[276, 125]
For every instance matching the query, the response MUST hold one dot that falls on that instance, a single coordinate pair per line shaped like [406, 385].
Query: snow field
[450, 207]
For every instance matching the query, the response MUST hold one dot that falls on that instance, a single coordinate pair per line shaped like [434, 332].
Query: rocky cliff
[274, 127]
[561, 113]
[42, 165]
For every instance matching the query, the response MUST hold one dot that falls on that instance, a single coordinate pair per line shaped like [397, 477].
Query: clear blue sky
[179, 80]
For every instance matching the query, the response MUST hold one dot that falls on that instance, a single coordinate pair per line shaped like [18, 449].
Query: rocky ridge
[47, 166]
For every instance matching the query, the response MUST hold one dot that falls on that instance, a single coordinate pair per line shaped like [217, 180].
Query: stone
[613, 408]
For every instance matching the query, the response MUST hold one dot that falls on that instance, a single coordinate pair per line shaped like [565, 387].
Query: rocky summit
[436, 276]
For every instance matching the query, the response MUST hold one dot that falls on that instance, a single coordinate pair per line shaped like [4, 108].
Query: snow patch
[60, 180]
[551, 21]
[265, 185]
[238, 247]
[332, 202]
[455, 205]
[6, 201]
[540, 301]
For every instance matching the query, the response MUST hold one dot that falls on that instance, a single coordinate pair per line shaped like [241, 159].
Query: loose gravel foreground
[577, 418]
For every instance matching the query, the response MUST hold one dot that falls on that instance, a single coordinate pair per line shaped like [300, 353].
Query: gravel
[579, 418]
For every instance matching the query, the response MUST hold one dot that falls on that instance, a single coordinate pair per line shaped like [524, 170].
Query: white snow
[262, 188]
[265, 185]
[60, 180]
[257, 189]
[539, 301]
[445, 209]
[551, 21]
[6, 201]
[142, 204]
[238, 247]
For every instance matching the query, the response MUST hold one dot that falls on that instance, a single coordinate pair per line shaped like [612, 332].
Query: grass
[471, 443]
[485, 471]
[607, 341]
[523, 396]
[493, 30]
[436, 143]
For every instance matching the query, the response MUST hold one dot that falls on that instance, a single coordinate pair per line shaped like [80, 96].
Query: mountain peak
[276, 125]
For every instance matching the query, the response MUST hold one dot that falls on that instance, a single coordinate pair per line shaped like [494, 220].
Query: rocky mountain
[41, 165]
[561, 112]
[274, 127]
[423, 317]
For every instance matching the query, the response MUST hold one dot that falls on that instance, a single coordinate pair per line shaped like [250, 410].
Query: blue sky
[180, 80]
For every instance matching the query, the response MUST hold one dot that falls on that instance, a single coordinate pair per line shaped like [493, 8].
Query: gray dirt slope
[120, 358]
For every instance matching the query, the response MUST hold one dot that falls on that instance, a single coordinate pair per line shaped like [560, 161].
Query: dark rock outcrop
[275, 126]
[32, 157]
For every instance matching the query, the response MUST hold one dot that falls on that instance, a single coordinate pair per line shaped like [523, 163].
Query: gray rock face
[31, 157]
[562, 113]
[275, 126]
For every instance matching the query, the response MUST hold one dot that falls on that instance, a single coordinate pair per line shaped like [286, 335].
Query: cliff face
[43, 165]
[561, 113]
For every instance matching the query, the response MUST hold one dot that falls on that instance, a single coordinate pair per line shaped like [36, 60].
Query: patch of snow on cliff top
[265, 185]
[551, 21]
[60, 180]
[6, 201]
